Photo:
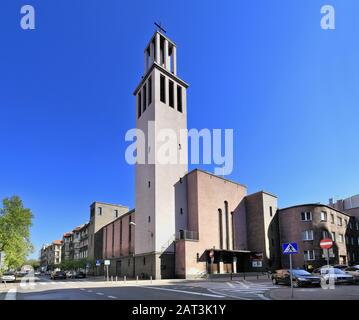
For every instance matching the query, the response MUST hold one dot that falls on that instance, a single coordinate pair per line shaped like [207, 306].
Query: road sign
[107, 262]
[98, 263]
[290, 248]
[326, 243]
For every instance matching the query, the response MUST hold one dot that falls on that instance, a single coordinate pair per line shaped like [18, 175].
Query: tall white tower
[161, 105]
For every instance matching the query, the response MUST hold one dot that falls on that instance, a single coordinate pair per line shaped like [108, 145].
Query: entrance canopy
[222, 255]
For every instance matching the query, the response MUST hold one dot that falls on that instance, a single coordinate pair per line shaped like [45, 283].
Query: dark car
[301, 278]
[58, 275]
[80, 275]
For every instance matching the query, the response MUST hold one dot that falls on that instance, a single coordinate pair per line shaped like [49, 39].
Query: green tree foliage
[15, 223]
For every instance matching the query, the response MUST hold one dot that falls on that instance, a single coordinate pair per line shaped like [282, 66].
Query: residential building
[308, 224]
[101, 214]
[50, 255]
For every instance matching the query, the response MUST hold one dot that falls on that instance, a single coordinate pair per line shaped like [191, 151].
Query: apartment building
[308, 224]
[50, 255]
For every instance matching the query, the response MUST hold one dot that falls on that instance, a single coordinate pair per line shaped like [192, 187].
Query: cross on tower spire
[159, 27]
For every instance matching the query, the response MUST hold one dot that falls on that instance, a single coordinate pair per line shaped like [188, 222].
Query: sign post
[326, 244]
[107, 263]
[290, 248]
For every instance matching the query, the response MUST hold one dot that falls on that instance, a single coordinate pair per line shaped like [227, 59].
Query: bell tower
[161, 114]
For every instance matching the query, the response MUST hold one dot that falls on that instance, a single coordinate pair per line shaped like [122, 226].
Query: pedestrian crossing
[246, 287]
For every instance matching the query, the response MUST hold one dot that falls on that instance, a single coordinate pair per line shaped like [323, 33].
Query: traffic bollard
[151, 279]
[124, 279]
[116, 279]
[136, 279]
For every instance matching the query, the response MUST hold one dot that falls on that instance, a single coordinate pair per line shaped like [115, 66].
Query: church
[185, 224]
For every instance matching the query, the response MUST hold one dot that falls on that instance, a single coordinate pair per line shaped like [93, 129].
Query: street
[42, 288]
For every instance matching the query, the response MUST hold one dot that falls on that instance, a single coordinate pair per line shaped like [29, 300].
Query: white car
[8, 277]
[338, 275]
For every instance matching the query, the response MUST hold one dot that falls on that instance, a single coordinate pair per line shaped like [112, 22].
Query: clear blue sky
[264, 68]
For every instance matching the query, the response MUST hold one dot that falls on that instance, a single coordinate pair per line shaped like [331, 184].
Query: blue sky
[264, 68]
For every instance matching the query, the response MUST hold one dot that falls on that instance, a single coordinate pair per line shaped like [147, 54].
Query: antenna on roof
[159, 27]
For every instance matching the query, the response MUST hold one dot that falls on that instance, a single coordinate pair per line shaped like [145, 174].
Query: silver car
[338, 275]
[8, 277]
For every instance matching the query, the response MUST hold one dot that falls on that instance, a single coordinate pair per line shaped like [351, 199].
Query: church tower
[161, 105]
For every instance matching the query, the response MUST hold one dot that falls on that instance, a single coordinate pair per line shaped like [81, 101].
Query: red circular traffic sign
[326, 243]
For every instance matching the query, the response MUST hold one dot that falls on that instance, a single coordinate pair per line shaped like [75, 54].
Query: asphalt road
[45, 289]
[89, 289]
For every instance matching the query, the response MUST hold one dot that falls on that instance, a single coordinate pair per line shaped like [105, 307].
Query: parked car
[80, 275]
[58, 275]
[354, 271]
[338, 275]
[301, 278]
[70, 274]
[8, 277]
[340, 266]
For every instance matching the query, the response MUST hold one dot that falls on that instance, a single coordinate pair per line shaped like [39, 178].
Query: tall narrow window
[139, 104]
[113, 240]
[129, 233]
[171, 93]
[232, 223]
[163, 89]
[144, 98]
[271, 211]
[227, 223]
[220, 225]
[121, 237]
[179, 99]
[149, 90]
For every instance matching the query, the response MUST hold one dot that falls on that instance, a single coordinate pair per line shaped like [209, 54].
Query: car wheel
[274, 281]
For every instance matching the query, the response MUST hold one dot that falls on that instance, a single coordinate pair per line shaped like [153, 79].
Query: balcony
[187, 235]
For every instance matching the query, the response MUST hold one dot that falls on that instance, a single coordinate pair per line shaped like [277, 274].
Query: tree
[33, 263]
[15, 223]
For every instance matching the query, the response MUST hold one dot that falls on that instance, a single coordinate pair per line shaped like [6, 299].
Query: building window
[120, 236]
[149, 184]
[341, 238]
[171, 93]
[197, 257]
[179, 99]
[116, 213]
[144, 261]
[306, 216]
[307, 235]
[332, 218]
[139, 104]
[220, 225]
[358, 241]
[181, 210]
[271, 211]
[144, 98]
[227, 223]
[323, 216]
[149, 219]
[149, 91]
[334, 238]
[309, 255]
[339, 221]
[350, 225]
[357, 224]
[163, 89]
[325, 234]
[99, 211]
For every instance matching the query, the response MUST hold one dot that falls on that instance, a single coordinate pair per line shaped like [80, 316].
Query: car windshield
[333, 270]
[299, 273]
[8, 274]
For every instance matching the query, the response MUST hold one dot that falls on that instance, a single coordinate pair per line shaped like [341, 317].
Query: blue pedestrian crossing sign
[290, 248]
